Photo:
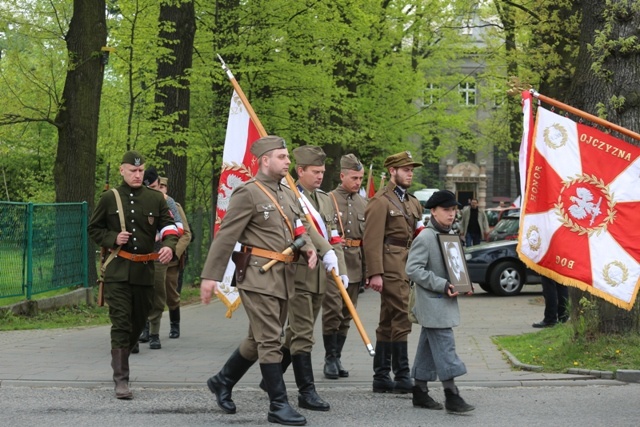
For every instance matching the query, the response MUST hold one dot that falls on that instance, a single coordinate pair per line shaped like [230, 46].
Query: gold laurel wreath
[569, 223]
[530, 230]
[621, 266]
[560, 129]
[235, 167]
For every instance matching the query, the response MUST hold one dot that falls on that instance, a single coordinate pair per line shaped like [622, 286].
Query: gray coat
[425, 266]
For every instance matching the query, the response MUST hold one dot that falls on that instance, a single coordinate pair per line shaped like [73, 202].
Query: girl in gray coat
[436, 308]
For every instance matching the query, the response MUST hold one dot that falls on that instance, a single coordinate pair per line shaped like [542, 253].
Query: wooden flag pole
[294, 188]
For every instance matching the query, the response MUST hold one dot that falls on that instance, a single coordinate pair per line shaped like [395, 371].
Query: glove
[330, 261]
[345, 280]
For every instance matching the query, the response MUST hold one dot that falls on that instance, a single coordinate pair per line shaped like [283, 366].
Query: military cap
[150, 176]
[309, 155]
[164, 180]
[350, 162]
[266, 144]
[444, 198]
[400, 160]
[133, 158]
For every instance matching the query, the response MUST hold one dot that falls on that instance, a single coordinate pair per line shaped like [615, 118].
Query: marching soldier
[393, 220]
[336, 318]
[129, 268]
[265, 218]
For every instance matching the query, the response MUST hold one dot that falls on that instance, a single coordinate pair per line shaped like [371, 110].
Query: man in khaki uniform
[393, 220]
[310, 283]
[265, 218]
[336, 318]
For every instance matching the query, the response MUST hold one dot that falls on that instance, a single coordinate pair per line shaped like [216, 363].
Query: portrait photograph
[453, 256]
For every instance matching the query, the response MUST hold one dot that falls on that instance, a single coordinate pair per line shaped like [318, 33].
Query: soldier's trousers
[171, 288]
[304, 307]
[129, 307]
[267, 315]
[394, 324]
[159, 298]
[336, 317]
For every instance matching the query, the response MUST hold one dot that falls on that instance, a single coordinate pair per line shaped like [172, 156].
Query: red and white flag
[238, 166]
[579, 222]
[371, 189]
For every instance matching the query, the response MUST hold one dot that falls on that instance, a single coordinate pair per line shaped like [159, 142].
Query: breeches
[171, 287]
[394, 324]
[129, 307]
[436, 356]
[335, 314]
[160, 297]
[303, 312]
[266, 315]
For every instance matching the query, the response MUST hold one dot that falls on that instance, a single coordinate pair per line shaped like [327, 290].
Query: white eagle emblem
[225, 190]
[583, 205]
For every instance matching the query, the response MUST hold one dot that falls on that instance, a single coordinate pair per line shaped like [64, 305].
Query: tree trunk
[608, 71]
[177, 31]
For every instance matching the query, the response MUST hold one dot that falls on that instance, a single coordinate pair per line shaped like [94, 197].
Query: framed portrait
[453, 257]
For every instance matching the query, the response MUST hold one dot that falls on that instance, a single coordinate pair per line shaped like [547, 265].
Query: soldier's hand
[312, 258]
[207, 288]
[330, 261]
[375, 282]
[122, 238]
[165, 254]
[345, 280]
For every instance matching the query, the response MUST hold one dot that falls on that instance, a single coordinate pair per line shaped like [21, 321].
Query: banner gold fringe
[231, 306]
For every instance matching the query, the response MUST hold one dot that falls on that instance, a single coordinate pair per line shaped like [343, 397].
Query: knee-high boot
[284, 363]
[330, 364]
[120, 365]
[401, 368]
[279, 409]
[174, 323]
[382, 382]
[222, 383]
[343, 373]
[307, 396]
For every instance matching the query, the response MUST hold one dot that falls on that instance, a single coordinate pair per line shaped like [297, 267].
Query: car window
[492, 218]
[507, 225]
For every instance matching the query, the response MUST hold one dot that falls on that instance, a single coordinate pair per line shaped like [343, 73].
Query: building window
[467, 92]
[431, 94]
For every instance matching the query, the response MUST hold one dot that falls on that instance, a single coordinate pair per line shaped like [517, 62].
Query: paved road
[64, 376]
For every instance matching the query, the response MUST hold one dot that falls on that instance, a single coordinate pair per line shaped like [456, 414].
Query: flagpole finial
[224, 67]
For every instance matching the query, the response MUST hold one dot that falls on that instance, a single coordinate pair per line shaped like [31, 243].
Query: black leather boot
[421, 399]
[382, 382]
[154, 342]
[455, 403]
[330, 363]
[120, 365]
[279, 409]
[401, 368]
[222, 383]
[343, 373]
[174, 322]
[144, 336]
[307, 396]
[284, 363]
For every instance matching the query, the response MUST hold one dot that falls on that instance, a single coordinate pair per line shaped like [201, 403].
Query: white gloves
[330, 261]
[345, 280]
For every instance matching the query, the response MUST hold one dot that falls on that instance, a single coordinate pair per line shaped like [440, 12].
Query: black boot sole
[212, 388]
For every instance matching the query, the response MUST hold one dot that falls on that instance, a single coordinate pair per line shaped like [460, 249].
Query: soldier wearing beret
[436, 309]
[129, 269]
[311, 283]
[394, 218]
[265, 218]
[336, 318]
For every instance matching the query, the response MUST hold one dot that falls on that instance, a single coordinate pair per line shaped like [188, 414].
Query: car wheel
[507, 279]
[486, 287]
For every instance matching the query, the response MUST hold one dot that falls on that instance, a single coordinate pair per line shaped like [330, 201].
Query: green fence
[42, 247]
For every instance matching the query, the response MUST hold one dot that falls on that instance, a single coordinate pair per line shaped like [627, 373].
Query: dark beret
[400, 160]
[309, 155]
[266, 144]
[444, 198]
[133, 158]
[150, 176]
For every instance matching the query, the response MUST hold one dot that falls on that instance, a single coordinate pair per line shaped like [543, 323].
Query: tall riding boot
[174, 322]
[307, 396]
[330, 364]
[401, 368]
[222, 383]
[120, 365]
[279, 409]
[343, 373]
[144, 336]
[284, 363]
[382, 382]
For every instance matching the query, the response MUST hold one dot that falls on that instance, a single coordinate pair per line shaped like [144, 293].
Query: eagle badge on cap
[408, 154]
[137, 161]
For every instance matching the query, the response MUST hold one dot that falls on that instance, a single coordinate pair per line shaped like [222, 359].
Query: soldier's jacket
[351, 209]
[145, 213]
[252, 219]
[386, 217]
[314, 280]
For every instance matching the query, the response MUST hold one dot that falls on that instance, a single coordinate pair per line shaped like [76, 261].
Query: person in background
[555, 303]
[474, 226]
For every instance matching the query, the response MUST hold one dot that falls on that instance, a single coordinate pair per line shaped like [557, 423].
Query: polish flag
[371, 189]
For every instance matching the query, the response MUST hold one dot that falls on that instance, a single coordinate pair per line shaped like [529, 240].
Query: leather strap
[114, 253]
[138, 257]
[353, 243]
[335, 204]
[268, 254]
[275, 202]
[403, 243]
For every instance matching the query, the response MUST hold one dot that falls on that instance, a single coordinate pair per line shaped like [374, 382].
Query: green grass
[556, 350]
[73, 317]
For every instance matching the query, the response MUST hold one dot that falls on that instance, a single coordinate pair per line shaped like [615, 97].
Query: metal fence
[42, 247]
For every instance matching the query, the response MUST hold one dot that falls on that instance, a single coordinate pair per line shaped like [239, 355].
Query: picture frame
[454, 261]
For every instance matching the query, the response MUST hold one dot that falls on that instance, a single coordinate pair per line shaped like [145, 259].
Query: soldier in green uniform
[336, 318]
[265, 218]
[394, 218]
[128, 277]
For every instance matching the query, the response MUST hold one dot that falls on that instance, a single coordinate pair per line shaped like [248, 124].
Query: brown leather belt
[138, 257]
[352, 243]
[268, 254]
[404, 243]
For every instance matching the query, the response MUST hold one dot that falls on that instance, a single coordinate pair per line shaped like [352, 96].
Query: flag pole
[294, 188]
[382, 177]
[369, 179]
[584, 115]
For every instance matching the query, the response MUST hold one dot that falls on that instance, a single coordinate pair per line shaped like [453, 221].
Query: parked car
[422, 196]
[507, 227]
[495, 214]
[495, 266]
